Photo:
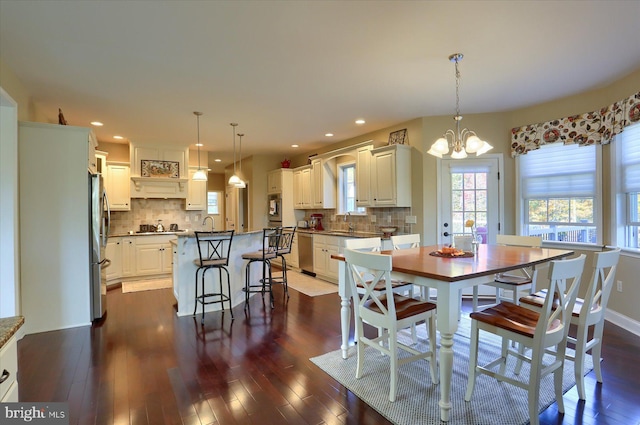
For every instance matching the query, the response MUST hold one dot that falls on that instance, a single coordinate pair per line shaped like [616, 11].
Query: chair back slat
[405, 241]
[564, 281]
[367, 269]
[597, 295]
[214, 245]
[364, 244]
[286, 239]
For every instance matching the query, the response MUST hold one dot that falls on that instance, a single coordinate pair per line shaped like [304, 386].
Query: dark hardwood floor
[145, 365]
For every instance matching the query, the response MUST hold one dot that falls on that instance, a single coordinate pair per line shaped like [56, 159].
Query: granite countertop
[344, 233]
[8, 327]
[178, 232]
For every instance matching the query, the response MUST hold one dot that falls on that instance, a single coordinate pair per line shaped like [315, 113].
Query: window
[212, 203]
[560, 190]
[347, 189]
[627, 163]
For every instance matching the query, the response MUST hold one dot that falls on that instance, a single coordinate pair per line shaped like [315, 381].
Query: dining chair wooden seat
[537, 331]
[517, 281]
[587, 312]
[387, 311]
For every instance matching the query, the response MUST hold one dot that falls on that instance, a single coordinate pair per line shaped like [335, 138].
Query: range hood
[159, 187]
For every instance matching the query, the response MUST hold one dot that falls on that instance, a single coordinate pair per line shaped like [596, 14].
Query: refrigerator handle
[108, 228]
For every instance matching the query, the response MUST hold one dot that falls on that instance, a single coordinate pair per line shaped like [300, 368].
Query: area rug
[146, 285]
[309, 285]
[417, 398]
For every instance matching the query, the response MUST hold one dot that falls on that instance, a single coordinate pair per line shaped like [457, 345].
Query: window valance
[590, 128]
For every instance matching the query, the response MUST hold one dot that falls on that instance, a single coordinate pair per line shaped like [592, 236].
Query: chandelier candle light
[462, 141]
[234, 179]
[199, 175]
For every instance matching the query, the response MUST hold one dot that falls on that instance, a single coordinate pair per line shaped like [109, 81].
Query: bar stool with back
[213, 250]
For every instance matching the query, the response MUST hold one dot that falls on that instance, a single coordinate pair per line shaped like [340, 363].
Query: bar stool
[284, 247]
[270, 246]
[213, 250]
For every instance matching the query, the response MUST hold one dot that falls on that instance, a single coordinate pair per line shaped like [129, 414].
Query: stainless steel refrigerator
[99, 222]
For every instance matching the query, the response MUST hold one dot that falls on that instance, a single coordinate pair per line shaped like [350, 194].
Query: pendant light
[460, 141]
[200, 175]
[234, 179]
[241, 184]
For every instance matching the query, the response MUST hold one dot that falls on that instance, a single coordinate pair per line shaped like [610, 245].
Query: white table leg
[447, 323]
[345, 310]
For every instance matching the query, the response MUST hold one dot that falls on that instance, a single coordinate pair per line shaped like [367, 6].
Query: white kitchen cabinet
[363, 176]
[9, 362]
[92, 162]
[274, 181]
[323, 248]
[118, 184]
[101, 162]
[323, 183]
[113, 253]
[196, 194]
[175, 270]
[391, 176]
[302, 187]
[153, 255]
[128, 248]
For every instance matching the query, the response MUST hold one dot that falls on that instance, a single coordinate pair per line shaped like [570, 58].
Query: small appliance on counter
[316, 221]
[173, 227]
[303, 224]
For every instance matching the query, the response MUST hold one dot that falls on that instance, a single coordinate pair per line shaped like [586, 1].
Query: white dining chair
[516, 281]
[388, 311]
[587, 312]
[411, 240]
[537, 331]
[375, 245]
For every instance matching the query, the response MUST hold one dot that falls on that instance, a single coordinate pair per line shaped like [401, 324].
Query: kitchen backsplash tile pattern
[384, 217]
[149, 211]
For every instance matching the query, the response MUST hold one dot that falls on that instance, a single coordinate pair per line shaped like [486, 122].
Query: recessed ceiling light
[97, 123]
[199, 144]
[217, 160]
[329, 134]
[118, 137]
[360, 121]
[295, 146]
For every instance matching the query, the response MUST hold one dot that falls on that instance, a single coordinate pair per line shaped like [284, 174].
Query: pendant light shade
[234, 179]
[462, 141]
[199, 175]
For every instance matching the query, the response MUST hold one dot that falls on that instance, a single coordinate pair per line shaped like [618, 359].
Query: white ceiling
[290, 71]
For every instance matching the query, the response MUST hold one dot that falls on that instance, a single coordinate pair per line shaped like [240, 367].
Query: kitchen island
[185, 250]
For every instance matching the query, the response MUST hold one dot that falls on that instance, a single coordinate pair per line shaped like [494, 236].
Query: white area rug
[309, 285]
[416, 402]
[146, 285]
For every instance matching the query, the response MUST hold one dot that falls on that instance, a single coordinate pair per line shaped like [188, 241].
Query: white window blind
[558, 171]
[630, 158]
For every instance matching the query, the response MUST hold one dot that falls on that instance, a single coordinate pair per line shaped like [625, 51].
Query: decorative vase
[286, 163]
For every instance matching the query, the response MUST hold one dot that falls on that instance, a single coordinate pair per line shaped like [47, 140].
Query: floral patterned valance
[596, 127]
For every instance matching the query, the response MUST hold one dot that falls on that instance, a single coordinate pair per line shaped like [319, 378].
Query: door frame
[439, 169]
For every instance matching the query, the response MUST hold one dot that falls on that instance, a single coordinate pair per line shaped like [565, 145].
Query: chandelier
[199, 175]
[462, 141]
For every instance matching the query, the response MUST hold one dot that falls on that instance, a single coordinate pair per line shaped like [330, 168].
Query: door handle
[445, 234]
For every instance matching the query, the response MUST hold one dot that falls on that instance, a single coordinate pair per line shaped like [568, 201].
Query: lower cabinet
[323, 248]
[292, 258]
[139, 256]
[9, 362]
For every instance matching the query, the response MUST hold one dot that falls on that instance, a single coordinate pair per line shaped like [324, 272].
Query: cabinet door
[305, 187]
[113, 252]
[317, 184]
[332, 265]
[319, 257]
[292, 258]
[384, 178]
[119, 187]
[274, 181]
[149, 259]
[363, 177]
[128, 249]
[196, 194]
[167, 258]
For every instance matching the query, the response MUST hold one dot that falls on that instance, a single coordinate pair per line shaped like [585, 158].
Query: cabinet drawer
[8, 364]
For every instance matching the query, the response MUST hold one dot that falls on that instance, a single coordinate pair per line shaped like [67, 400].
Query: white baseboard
[624, 322]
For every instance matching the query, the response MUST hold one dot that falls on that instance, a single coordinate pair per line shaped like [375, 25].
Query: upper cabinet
[302, 187]
[323, 183]
[92, 162]
[274, 181]
[197, 193]
[118, 185]
[391, 176]
[363, 176]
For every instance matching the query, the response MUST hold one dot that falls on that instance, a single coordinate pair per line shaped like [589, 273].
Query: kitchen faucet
[212, 222]
[349, 224]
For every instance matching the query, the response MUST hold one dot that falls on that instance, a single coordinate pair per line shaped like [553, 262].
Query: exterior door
[470, 190]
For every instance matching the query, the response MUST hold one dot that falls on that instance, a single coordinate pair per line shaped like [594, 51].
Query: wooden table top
[490, 259]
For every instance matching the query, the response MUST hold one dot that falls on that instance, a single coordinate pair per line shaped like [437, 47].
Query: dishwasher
[305, 253]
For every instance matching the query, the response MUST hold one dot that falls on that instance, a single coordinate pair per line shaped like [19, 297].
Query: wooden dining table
[448, 275]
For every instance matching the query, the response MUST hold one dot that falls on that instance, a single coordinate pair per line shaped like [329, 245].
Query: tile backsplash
[371, 222]
[149, 211]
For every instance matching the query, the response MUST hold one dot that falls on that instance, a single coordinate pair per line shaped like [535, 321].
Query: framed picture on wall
[398, 137]
[151, 168]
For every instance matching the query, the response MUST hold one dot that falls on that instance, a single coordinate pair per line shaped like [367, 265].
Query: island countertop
[8, 327]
